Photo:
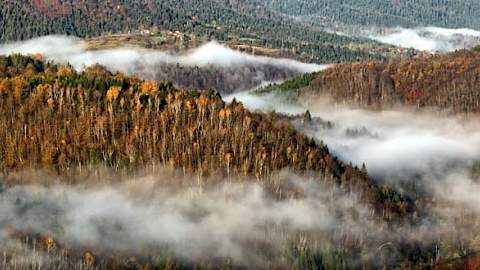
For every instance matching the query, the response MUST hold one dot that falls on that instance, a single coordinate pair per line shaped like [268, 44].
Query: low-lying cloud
[430, 39]
[240, 221]
[237, 70]
[392, 144]
[429, 157]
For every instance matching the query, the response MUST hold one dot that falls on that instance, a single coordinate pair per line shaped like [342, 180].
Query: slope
[448, 82]
[248, 23]
[451, 14]
[64, 120]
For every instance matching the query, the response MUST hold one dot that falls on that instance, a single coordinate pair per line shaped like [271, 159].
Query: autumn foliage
[449, 82]
[59, 119]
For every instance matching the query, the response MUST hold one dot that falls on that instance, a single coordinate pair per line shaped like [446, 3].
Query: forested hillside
[449, 82]
[38, 18]
[67, 123]
[411, 13]
[117, 150]
[56, 119]
[64, 119]
[247, 23]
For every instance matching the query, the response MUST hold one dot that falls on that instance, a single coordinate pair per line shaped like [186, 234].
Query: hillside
[449, 82]
[239, 134]
[55, 119]
[234, 21]
[71, 125]
[101, 108]
[450, 14]
[65, 120]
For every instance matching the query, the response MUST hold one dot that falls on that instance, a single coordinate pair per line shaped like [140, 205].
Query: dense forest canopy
[391, 13]
[69, 123]
[449, 82]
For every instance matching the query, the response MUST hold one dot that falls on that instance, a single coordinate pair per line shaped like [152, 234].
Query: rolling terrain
[67, 134]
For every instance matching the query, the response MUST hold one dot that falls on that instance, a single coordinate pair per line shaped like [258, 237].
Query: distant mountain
[451, 14]
[449, 82]
[43, 17]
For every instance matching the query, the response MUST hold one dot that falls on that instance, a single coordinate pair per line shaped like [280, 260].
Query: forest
[62, 122]
[412, 13]
[446, 81]
[93, 127]
[101, 108]
[247, 22]
[181, 134]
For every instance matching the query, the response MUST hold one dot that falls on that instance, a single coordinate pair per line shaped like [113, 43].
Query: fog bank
[431, 158]
[211, 65]
[430, 39]
[392, 144]
[241, 221]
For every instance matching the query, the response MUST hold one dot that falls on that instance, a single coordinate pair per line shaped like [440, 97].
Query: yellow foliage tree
[149, 87]
[113, 93]
[65, 71]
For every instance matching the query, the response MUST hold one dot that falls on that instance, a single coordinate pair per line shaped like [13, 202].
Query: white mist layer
[422, 155]
[220, 222]
[428, 38]
[396, 144]
[267, 103]
[72, 50]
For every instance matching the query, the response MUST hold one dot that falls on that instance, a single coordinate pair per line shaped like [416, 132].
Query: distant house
[176, 34]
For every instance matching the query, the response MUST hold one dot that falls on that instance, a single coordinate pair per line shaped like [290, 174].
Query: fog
[73, 50]
[238, 220]
[426, 155]
[430, 39]
[211, 65]
[397, 144]
[244, 220]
